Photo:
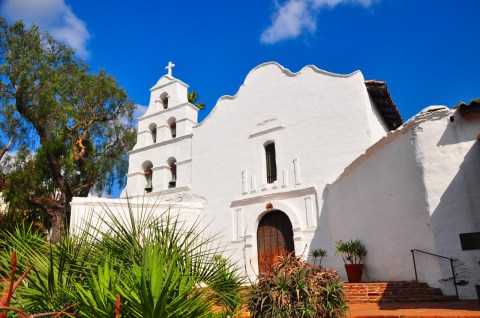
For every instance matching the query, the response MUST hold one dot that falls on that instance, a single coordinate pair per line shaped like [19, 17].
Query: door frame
[260, 218]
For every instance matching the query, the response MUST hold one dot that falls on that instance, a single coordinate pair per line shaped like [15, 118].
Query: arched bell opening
[164, 100]
[153, 131]
[172, 123]
[173, 172]
[148, 173]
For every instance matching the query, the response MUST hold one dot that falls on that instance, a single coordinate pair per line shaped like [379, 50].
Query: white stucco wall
[378, 128]
[319, 122]
[415, 189]
[380, 200]
[449, 153]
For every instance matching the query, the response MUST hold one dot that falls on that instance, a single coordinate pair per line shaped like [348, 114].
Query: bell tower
[161, 161]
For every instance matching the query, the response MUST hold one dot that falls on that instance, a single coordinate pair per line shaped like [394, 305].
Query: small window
[271, 162]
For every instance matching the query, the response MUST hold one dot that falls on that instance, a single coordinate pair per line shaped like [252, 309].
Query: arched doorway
[274, 238]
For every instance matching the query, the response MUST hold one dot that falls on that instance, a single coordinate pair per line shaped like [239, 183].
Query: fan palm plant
[192, 99]
[319, 253]
[352, 251]
[156, 266]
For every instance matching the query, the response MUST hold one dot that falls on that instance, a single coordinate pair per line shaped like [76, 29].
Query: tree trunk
[58, 228]
[60, 218]
[59, 212]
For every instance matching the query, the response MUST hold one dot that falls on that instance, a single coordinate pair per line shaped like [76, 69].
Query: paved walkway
[464, 308]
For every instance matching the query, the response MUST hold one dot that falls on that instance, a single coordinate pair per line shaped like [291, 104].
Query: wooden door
[274, 238]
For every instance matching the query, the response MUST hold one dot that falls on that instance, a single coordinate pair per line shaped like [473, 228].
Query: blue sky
[427, 51]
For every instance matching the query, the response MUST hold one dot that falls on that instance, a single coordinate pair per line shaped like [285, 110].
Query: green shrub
[156, 265]
[10, 219]
[294, 288]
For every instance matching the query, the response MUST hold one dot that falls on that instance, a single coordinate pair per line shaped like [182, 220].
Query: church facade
[298, 161]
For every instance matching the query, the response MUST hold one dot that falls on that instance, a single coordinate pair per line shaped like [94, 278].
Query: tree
[192, 99]
[70, 128]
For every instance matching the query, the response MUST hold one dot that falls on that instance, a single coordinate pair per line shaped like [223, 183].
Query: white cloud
[53, 16]
[290, 20]
[295, 17]
[139, 111]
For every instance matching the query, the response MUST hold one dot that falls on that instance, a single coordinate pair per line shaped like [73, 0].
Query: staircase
[393, 292]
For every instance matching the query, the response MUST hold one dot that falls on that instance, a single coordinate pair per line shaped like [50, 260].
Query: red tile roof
[380, 95]
[470, 107]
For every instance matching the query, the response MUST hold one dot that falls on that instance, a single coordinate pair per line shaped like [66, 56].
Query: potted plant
[352, 253]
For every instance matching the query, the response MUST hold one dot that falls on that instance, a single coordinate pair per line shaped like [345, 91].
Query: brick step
[393, 292]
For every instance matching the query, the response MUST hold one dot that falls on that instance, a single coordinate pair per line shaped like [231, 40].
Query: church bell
[148, 176]
[173, 181]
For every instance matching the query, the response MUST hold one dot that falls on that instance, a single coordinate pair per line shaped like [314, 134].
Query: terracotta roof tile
[380, 95]
[470, 107]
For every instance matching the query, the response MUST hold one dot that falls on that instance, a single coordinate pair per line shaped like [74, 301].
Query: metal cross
[169, 68]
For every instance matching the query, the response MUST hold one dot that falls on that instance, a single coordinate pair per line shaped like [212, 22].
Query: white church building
[300, 161]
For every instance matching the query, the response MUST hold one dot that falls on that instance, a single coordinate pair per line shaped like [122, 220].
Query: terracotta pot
[354, 272]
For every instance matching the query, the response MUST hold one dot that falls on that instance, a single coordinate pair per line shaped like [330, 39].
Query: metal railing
[444, 257]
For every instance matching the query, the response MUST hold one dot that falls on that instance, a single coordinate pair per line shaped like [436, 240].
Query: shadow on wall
[326, 236]
[462, 129]
[381, 202]
[459, 212]
[323, 237]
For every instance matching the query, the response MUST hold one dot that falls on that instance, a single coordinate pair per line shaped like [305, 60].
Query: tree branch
[84, 189]
[46, 204]
[6, 148]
